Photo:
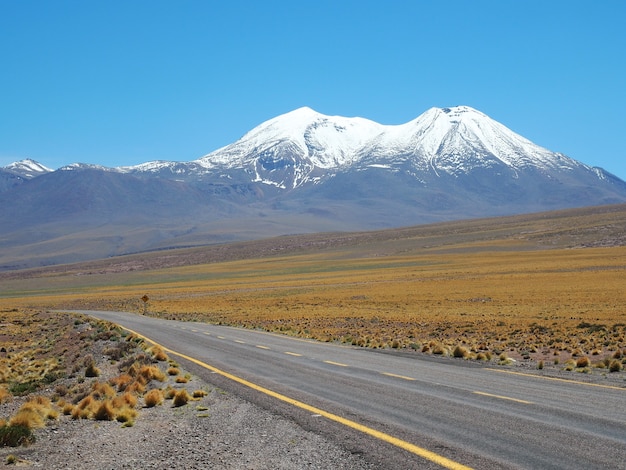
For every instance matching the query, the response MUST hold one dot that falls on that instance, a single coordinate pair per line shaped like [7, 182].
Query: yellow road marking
[419, 451]
[261, 347]
[398, 376]
[336, 364]
[239, 341]
[207, 333]
[557, 379]
[501, 397]
[293, 354]
[221, 337]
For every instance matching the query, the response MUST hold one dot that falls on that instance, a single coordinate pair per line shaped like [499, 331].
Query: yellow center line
[502, 397]
[398, 376]
[261, 347]
[239, 341]
[336, 363]
[293, 354]
[419, 451]
[557, 379]
[221, 337]
[207, 333]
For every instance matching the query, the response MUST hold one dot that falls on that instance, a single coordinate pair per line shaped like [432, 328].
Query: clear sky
[125, 82]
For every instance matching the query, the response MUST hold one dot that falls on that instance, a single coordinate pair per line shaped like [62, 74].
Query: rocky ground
[229, 434]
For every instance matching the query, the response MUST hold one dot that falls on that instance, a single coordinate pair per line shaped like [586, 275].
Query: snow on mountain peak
[327, 141]
[453, 140]
[27, 168]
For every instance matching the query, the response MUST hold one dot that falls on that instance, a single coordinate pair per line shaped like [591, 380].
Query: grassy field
[547, 288]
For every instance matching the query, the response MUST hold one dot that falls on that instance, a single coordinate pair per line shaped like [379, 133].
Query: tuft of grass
[153, 398]
[14, 435]
[126, 399]
[28, 418]
[104, 411]
[5, 395]
[540, 365]
[122, 381]
[199, 393]
[158, 353]
[582, 362]
[173, 371]
[102, 390]
[91, 370]
[127, 416]
[181, 398]
[504, 360]
[152, 373]
[460, 351]
[615, 366]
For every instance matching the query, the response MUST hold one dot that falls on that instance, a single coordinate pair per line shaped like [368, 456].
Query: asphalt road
[469, 415]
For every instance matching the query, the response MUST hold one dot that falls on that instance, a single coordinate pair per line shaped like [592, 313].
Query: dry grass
[487, 287]
[153, 398]
[158, 354]
[181, 398]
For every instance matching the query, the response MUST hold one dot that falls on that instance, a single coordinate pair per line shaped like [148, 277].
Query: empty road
[411, 412]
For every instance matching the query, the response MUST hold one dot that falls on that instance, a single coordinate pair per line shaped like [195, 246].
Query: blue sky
[121, 83]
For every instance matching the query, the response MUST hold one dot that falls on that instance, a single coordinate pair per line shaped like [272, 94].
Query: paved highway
[410, 412]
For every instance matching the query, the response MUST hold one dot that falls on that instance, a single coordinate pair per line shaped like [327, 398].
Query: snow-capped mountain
[298, 172]
[303, 147]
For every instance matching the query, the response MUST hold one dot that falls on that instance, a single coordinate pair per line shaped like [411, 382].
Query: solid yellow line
[336, 364]
[501, 397]
[261, 347]
[419, 451]
[557, 379]
[398, 376]
[293, 354]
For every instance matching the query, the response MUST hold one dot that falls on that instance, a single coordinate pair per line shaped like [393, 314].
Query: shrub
[158, 353]
[152, 373]
[23, 388]
[126, 399]
[540, 365]
[4, 394]
[153, 398]
[181, 398]
[16, 435]
[127, 416]
[91, 370]
[460, 351]
[173, 371]
[121, 381]
[583, 362]
[102, 390]
[615, 366]
[105, 411]
[200, 393]
[27, 417]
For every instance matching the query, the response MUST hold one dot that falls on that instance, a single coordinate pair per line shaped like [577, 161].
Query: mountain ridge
[300, 172]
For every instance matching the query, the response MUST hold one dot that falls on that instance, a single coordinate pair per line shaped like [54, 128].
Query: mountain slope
[300, 172]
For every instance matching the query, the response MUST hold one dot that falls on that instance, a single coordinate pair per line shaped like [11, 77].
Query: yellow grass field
[489, 298]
